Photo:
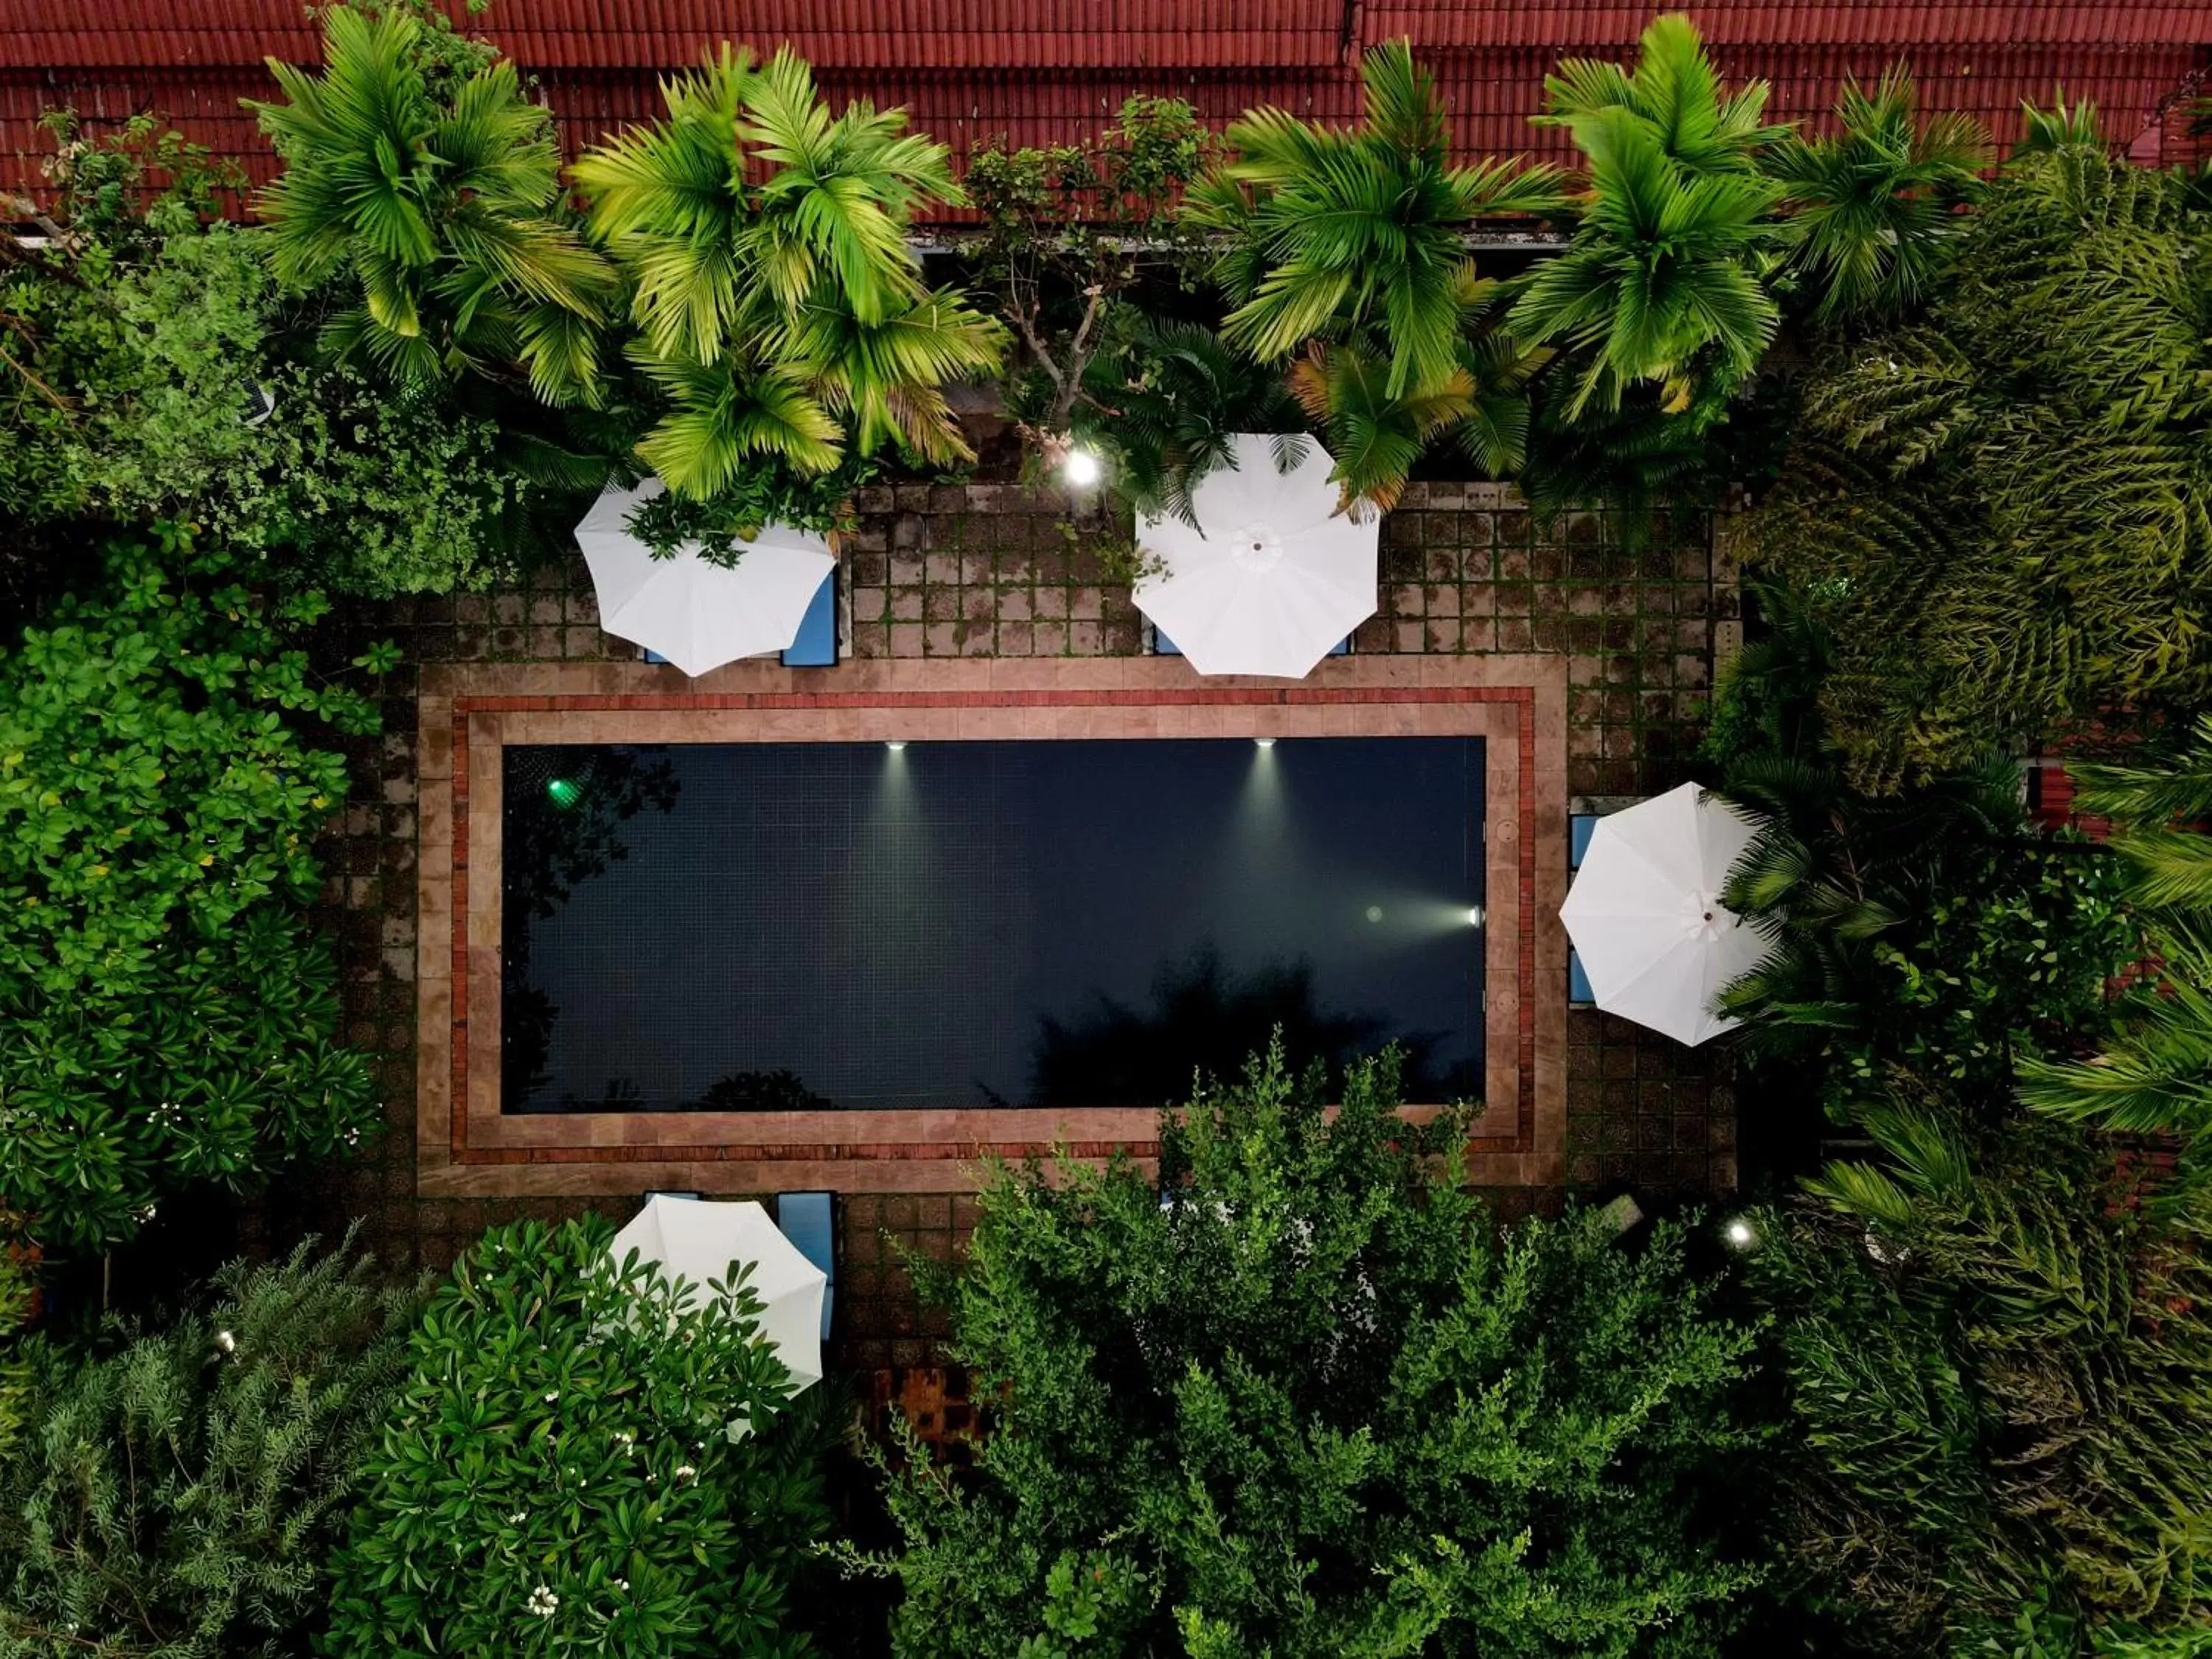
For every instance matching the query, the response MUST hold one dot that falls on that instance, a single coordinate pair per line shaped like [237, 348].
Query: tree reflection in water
[1204, 1019]
[564, 809]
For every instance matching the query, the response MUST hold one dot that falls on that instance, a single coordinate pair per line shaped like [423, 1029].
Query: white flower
[624, 1437]
[687, 1473]
[517, 1518]
[621, 1583]
[544, 1602]
[552, 1395]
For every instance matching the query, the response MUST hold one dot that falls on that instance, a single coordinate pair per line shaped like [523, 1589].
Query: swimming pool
[841, 926]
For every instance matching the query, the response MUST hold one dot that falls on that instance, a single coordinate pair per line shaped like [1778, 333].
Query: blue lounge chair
[807, 1221]
[1580, 827]
[815, 645]
[1164, 646]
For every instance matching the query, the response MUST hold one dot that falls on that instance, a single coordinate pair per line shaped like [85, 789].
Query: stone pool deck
[983, 571]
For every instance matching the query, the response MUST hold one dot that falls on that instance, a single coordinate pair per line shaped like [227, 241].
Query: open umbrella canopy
[1273, 576]
[697, 615]
[1645, 915]
[695, 1239]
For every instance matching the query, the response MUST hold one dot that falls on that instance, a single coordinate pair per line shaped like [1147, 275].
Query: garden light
[1740, 1234]
[1082, 468]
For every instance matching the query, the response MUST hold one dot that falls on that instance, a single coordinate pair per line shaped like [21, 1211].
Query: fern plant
[1998, 1355]
[2001, 508]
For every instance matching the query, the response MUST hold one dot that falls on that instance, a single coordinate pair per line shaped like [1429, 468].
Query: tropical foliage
[585, 1457]
[2154, 1076]
[1995, 1343]
[1996, 509]
[1350, 245]
[1875, 208]
[1931, 931]
[180, 1483]
[166, 1018]
[1311, 1402]
[423, 184]
[1662, 282]
[781, 313]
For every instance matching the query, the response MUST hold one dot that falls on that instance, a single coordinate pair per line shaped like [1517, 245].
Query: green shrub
[558, 1476]
[166, 1016]
[1317, 1404]
[179, 1489]
[134, 338]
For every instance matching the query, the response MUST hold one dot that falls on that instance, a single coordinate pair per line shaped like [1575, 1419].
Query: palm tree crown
[1662, 282]
[1873, 207]
[443, 203]
[779, 306]
[1332, 231]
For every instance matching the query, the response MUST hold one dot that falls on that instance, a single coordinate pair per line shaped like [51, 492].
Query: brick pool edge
[465, 1146]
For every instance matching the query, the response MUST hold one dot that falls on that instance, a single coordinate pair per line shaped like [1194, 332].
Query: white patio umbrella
[1657, 944]
[1273, 578]
[697, 615]
[695, 1239]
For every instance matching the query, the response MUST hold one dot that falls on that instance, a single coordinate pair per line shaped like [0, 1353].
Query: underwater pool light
[565, 793]
[1474, 916]
[895, 744]
[1264, 743]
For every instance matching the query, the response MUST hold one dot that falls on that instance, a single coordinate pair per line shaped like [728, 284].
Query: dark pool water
[762, 926]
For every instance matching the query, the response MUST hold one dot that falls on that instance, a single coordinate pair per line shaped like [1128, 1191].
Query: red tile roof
[1042, 72]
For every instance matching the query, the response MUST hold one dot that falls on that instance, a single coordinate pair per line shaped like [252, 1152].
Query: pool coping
[467, 712]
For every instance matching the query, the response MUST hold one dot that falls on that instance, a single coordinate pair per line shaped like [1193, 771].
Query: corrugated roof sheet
[1042, 72]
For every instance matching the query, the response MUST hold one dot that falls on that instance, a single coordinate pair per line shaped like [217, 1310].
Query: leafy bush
[1068, 230]
[559, 1477]
[1311, 1403]
[165, 1015]
[179, 1489]
[134, 337]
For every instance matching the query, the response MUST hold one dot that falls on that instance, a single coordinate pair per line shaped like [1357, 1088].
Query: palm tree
[1664, 279]
[1874, 208]
[1376, 434]
[1336, 233]
[781, 310]
[2062, 126]
[1674, 93]
[442, 205]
